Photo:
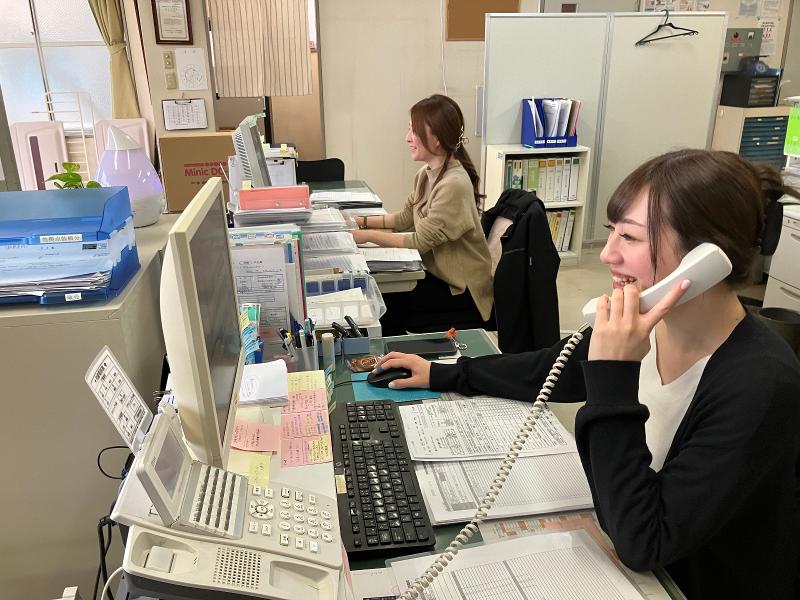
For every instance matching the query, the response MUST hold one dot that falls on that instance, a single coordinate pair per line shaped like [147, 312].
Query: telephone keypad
[305, 523]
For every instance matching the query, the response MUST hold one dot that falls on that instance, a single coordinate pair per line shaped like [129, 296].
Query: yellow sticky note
[259, 469]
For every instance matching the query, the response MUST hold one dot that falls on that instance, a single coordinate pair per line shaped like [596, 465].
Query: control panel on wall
[170, 75]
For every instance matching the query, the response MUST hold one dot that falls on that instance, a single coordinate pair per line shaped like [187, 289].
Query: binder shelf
[558, 176]
[59, 246]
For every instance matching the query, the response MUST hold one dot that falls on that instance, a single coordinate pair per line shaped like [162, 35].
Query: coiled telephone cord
[462, 537]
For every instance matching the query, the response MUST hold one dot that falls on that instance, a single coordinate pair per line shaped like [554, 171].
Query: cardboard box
[188, 160]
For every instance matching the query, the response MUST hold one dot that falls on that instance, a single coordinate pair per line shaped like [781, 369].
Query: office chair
[327, 169]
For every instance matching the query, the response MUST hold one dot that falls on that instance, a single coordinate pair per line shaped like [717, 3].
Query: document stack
[550, 122]
[61, 246]
[392, 259]
[355, 198]
[277, 204]
[327, 219]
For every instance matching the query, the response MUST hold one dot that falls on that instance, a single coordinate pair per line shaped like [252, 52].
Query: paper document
[264, 383]
[496, 531]
[563, 116]
[391, 259]
[538, 127]
[184, 114]
[335, 242]
[325, 219]
[260, 272]
[119, 398]
[346, 198]
[255, 437]
[551, 109]
[536, 485]
[478, 427]
[349, 263]
[556, 566]
[373, 583]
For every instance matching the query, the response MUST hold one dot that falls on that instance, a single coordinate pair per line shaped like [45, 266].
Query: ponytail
[462, 157]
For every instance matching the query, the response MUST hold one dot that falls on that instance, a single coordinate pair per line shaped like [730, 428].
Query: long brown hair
[446, 122]
[704, 196]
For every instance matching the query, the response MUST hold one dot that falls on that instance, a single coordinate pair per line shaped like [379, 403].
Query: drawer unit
[763, 139]
[782, 295]
[785, 266]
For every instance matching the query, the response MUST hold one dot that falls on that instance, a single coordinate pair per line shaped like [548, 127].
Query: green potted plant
[70, 179]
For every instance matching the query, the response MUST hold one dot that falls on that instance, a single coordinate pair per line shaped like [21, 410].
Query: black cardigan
[722, 514]
[525, 294]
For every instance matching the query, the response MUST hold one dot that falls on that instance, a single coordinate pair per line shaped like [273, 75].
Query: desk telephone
[224, 536]
[221, 536]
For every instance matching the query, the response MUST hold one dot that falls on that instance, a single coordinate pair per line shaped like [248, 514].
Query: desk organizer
[528, 137]
[366, 309]
[346, 346]
[93, 227]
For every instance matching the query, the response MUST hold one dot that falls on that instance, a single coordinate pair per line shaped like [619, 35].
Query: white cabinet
[497, 157]
[783, 286]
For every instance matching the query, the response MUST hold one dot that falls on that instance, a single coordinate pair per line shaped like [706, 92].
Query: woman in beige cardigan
[440, 219]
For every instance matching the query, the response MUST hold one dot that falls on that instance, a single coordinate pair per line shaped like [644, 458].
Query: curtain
[260, 47]
[123, 95]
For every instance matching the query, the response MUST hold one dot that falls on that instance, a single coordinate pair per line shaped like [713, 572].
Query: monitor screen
[169, 462]
[218, 311]
[199, 319]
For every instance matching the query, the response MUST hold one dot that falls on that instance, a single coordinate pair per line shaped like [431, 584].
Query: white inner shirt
[667, 403]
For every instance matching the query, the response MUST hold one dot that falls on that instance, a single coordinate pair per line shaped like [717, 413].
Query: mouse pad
[362, 391]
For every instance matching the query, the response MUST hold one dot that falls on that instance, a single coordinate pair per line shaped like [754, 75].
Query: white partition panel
[637, 101]
[541, 55]
[660, 97]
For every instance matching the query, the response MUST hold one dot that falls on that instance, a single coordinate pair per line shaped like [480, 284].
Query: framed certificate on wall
[172, 21]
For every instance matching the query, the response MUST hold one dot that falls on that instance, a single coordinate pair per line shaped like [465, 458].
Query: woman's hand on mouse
[620, 331]
[419, 367]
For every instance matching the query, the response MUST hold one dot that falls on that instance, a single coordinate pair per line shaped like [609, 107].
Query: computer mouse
[385, 377]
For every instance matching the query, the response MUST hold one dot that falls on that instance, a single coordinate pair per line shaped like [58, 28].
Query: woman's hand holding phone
[620, 331]
[419, 367]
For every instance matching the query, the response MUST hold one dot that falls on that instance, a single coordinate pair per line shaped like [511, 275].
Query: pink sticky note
[256, 437]
[314, 422]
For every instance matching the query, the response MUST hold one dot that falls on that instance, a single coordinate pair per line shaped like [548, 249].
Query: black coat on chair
[525, 295]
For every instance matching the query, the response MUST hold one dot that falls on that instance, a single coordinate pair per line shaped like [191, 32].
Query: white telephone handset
[705, 266]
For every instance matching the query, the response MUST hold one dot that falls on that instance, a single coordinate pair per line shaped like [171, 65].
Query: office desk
[478, 343]
[53, 427]
[388, 282]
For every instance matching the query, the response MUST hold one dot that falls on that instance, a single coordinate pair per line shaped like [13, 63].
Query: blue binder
[528, 136]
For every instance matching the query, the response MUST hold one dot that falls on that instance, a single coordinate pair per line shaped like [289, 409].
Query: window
[52, 46]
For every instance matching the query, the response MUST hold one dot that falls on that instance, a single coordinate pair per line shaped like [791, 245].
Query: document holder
[529, 138]
[50, 226]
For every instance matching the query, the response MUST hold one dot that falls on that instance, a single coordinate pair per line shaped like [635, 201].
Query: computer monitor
[250, 153]
[199, 319]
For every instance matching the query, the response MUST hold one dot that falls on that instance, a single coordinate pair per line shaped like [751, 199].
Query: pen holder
[359, 345]
[307, 359]
[528, 137]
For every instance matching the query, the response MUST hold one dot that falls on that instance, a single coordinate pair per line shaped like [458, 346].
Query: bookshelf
[497, 156]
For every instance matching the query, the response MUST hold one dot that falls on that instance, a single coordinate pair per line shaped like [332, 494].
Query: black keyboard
[381, 510]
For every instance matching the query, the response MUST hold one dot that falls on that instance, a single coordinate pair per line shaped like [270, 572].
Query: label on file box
[61, 238]
[72, 297]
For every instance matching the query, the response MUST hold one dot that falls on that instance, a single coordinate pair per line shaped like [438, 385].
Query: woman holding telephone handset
[690, 436]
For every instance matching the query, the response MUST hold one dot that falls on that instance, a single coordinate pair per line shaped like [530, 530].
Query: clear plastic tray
[366, 309]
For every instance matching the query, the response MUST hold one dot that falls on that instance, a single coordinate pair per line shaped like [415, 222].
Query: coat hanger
[666, 25]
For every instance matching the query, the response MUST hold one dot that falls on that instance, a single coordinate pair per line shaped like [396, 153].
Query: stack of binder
[61, 246]
[277, 204]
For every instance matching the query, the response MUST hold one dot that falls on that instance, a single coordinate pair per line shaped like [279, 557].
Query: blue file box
[529, 138]
[78, 216]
